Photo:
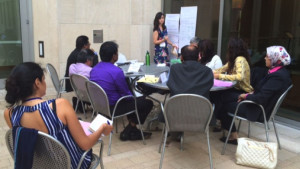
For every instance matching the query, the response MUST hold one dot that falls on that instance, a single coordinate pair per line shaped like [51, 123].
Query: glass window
[10, 36]
[207, 17]
[262, 24]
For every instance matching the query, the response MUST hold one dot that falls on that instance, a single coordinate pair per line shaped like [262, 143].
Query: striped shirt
[55, 128]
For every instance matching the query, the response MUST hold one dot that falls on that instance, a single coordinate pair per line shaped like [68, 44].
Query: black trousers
[224, 101]
[144, 106]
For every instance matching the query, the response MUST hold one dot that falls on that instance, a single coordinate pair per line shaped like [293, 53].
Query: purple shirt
[111, 78]
[80, 69]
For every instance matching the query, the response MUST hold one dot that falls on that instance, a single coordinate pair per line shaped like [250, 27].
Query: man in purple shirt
[84, 63]
[111, 78]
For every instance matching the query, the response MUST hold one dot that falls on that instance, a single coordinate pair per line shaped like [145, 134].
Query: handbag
[256, 154]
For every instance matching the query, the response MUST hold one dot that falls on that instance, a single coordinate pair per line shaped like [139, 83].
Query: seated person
[25, 86]
[267, 93]
[190, 77]
[111, 78]
[195, 41]
[208, 56]
[84, 63]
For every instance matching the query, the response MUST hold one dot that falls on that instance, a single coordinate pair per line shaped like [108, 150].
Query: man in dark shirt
[190, 77]
[82, 42]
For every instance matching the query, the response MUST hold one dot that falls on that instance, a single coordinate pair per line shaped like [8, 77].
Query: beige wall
[59, 22]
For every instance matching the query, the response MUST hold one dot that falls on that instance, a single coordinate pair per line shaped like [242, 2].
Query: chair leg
[93, 115]
[229, 132]
[162, 137]
[141, 127]
[83, 108]
[109, 144]
[116, 125]
[209, 151]
[163, 151]
[277, 136]
[76, 105]
[249, 123]
[100, 154]
[181, 141]
[239, 126]
[267, 131]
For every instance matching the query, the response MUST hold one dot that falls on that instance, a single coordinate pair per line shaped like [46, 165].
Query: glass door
[10, 37]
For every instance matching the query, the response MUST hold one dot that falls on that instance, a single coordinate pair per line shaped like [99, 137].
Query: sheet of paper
[220, 83]
[172, 24]
[163, 77]
[134, 67]
[98, 121]
[188, 19]
[85, 126]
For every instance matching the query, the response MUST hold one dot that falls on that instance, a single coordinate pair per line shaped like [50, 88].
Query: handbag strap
[271, 153]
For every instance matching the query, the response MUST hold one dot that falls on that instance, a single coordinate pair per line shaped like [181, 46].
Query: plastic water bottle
[147, 59]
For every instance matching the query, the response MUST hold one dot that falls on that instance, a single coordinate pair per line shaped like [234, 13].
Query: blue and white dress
[56, 129]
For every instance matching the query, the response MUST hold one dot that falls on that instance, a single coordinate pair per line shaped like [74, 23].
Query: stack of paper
[98, 121]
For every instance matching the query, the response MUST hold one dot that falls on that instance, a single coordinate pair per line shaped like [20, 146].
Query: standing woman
[236, 69]
[160, 39]
[25, 88]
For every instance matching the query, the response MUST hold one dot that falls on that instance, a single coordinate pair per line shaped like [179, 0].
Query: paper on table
[134, 67]
[220, 83]
[98, 121]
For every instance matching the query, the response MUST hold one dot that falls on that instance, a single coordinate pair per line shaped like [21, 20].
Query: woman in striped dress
[25, 86]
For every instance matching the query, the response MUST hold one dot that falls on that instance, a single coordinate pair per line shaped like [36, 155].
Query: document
[134, 67]
[188, 19]
[98, 121]
[221, 83]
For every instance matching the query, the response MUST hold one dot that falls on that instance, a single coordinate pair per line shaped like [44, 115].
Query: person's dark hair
[107, 50]
[19, 84]
[189, 52]
[236, 47]
[156, 22]
[84, 55]
[81, 41]
[206, 49]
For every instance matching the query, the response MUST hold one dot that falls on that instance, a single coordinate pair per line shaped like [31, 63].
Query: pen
[109, 124]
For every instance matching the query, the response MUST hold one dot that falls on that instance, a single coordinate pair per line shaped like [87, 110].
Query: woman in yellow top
[236, 69]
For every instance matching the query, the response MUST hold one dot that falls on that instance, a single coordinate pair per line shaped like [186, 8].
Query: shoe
[217, 129]
[125, 134]
[135, 134]
[234, 142]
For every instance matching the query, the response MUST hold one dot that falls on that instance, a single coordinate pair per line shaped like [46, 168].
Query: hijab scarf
[278, 56]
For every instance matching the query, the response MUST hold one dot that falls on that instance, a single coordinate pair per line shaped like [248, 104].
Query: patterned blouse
[161, 50]
[240, 74]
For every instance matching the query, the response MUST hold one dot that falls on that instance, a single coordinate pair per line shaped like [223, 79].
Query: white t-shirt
[215, 63]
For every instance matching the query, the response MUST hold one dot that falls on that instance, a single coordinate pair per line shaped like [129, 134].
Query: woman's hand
[216, 75]
[106, 129]
[242, 97]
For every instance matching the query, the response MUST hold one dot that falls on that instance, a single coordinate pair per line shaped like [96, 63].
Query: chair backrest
[279, 101]
[78, 84]
[48, 153]
[54, 77]
[98, 98]
[187, 112]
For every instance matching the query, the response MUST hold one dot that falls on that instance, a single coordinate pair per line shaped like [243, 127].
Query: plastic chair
[100, 103]
[186, 112]
[78, 85]
[266, 121]
[57, 83]
[50, 153]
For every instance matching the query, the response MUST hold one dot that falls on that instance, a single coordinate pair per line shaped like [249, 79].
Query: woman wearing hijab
[267, 93]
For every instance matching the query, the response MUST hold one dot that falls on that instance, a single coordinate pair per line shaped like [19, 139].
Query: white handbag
[256, 154]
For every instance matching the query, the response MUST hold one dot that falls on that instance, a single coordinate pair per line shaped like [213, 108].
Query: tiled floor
[135, 155]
